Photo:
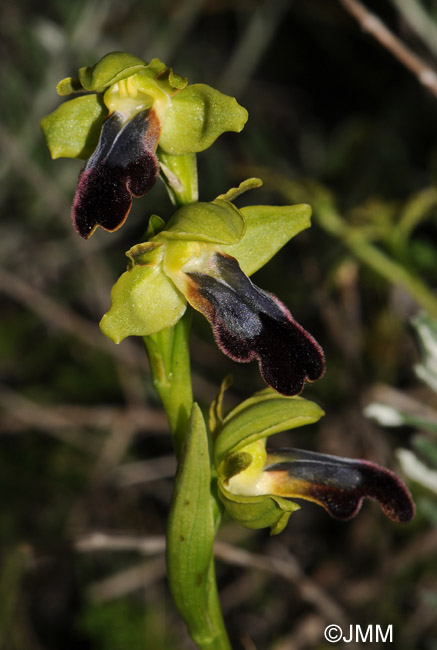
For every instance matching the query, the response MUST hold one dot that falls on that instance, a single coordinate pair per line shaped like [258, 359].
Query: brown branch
[65, 319]
[376, 28]
[128, 580]
[287, 569]
[143, 471]
[93, 542]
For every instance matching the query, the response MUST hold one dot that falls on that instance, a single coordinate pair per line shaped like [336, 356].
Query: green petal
[157, 68]
[218, 222]
[73, 129]
[190, 535]
[260, 511]
[197, 116]
[261, 416]
[68, 86]
[233, 193]
[268, 228]
[111, 68]
[143, 301]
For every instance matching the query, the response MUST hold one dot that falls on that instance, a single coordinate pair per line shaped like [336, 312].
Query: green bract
[191, 117]
[151, 294]
[190, 536]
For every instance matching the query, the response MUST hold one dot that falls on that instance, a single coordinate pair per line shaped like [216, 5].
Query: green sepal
[266, 511]
[197, 116]
[268, 229]
[143, 301]
[179, 174]
[260, 416]
[72, 130]
[218, 222]
[190, 534]
[111, 68]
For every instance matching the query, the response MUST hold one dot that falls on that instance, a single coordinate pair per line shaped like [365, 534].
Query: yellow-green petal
[143, 301]
[198, 114]
[268, 229]
[72, 130]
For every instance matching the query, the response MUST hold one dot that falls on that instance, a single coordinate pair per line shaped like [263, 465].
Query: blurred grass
[329, 109]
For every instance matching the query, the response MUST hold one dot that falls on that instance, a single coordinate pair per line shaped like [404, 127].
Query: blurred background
[86, 462]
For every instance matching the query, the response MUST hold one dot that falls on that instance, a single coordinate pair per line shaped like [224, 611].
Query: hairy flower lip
[123, 165]
[249, 323]
[338, 484]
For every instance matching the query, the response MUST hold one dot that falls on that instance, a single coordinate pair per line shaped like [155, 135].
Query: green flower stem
[188, 568]
[329, 219]
[374, 257]
[169, 359]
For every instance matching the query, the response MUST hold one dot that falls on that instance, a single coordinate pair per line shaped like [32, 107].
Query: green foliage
[121, 624]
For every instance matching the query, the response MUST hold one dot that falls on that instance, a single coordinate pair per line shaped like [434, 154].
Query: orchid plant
[133, 122]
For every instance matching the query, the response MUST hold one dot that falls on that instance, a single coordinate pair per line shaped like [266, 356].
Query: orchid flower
[258, 486]
[134, 120]
[203, 257]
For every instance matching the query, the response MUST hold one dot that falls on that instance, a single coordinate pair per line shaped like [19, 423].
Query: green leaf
[218, 222]
[143, 301]
[261, 416]
[73, 129]
[197, 116]
[258, 512]
[190, 534]
[111, 68]
[268, 229]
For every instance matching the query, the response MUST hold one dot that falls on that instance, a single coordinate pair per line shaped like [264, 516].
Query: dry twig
[374, 26]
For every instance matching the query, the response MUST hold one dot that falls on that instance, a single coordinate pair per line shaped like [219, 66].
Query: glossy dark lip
[123, 165]
[341, 484]
[249, 323]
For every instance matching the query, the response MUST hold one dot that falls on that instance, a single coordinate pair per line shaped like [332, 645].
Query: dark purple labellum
[341, 484]
[123, 164]
[249, 323]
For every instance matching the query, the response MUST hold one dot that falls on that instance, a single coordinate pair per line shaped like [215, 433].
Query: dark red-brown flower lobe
[123, 164]
[339, 484]
[249, 323]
